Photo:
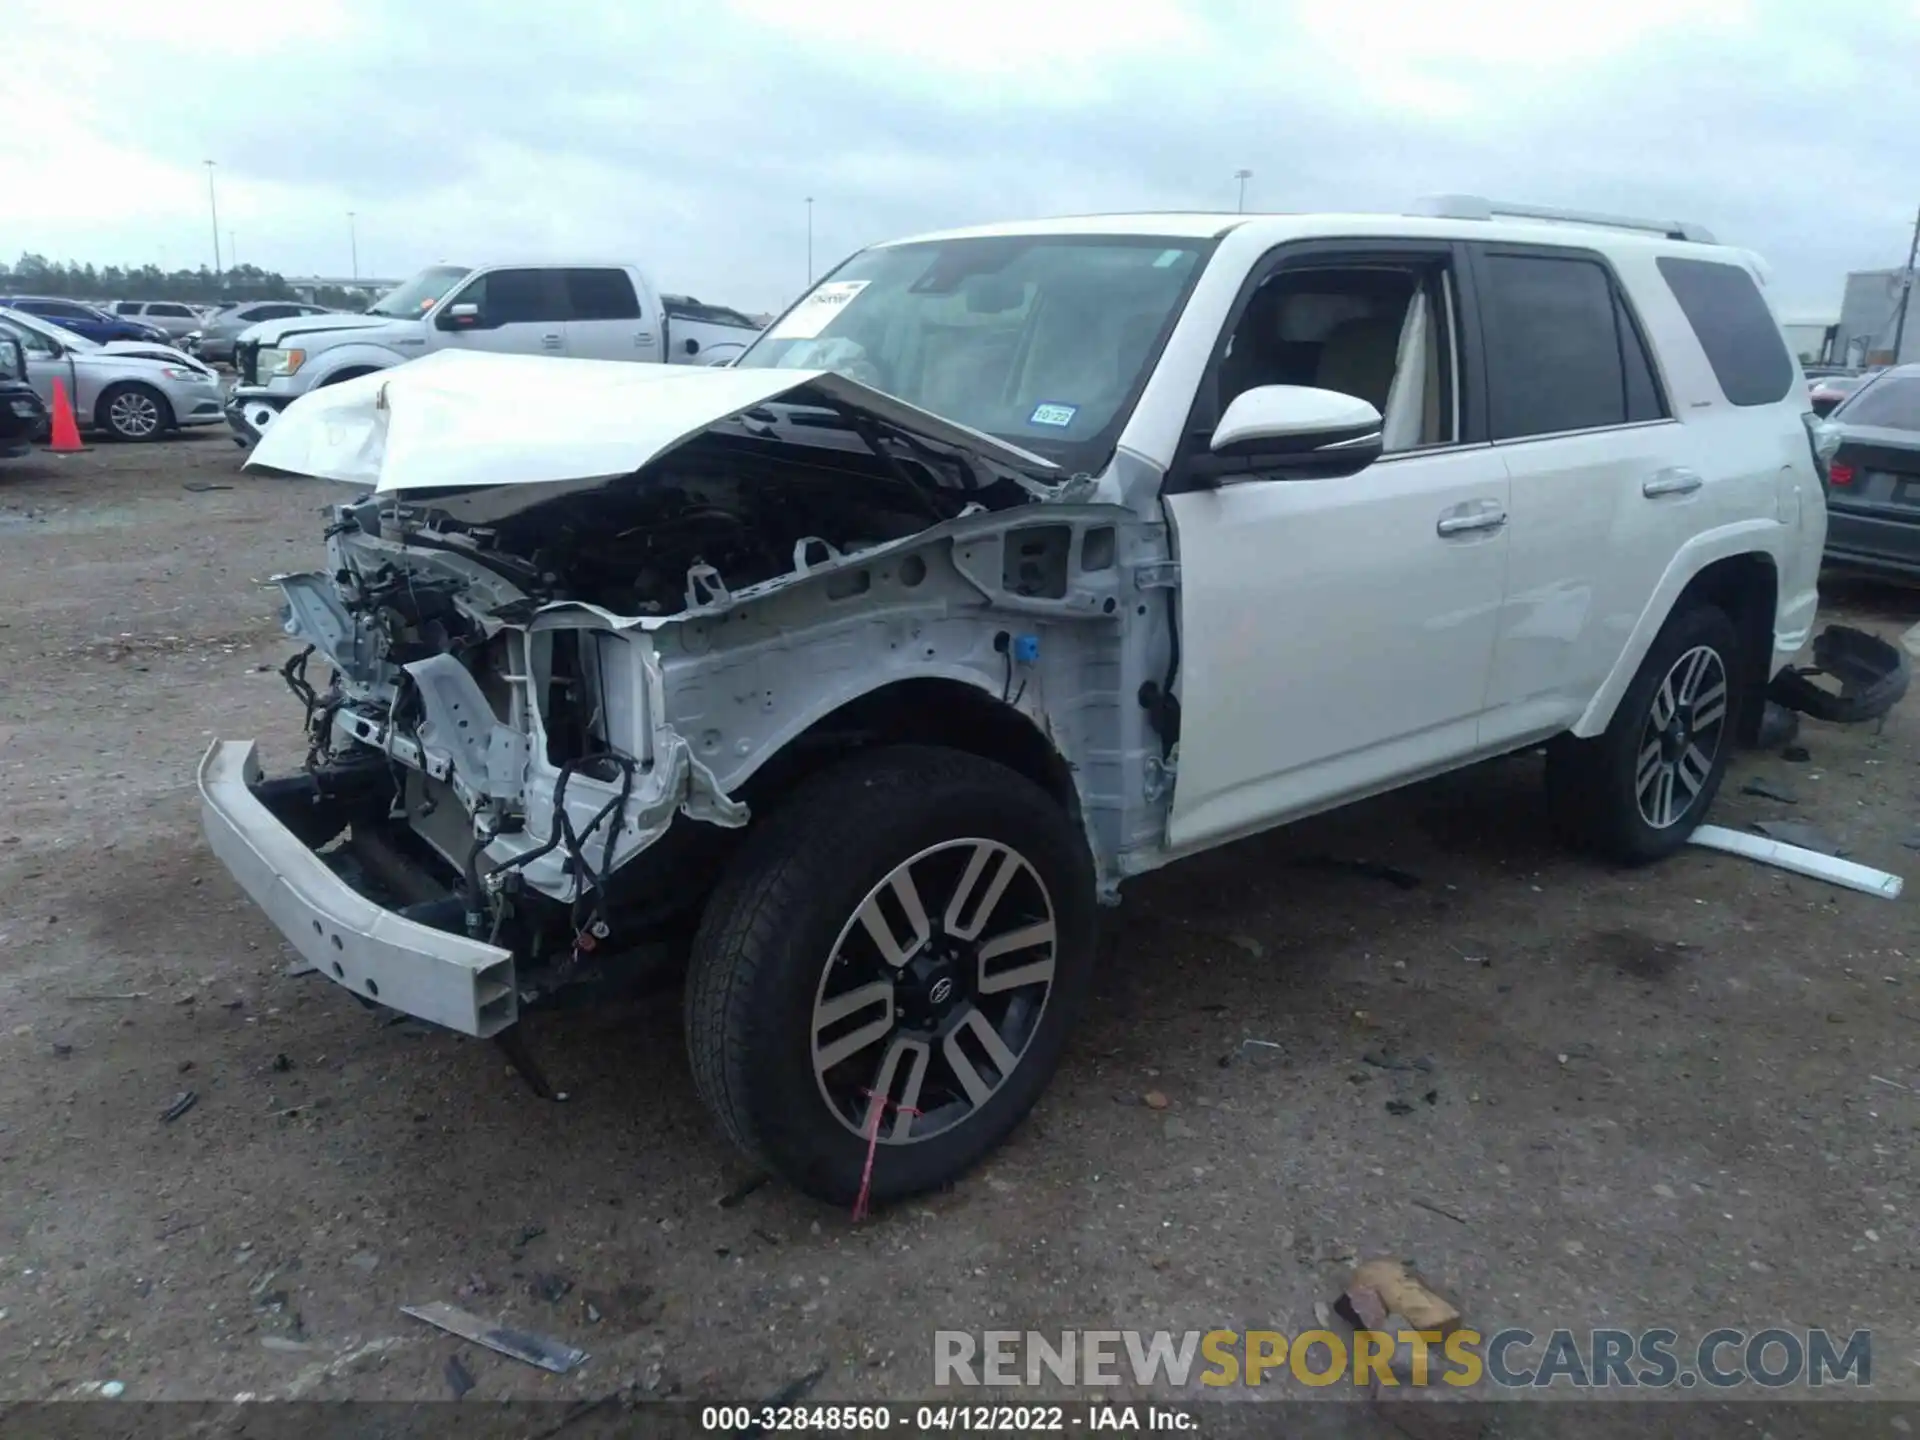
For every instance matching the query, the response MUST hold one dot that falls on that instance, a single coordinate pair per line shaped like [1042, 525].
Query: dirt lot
[1684, 1096]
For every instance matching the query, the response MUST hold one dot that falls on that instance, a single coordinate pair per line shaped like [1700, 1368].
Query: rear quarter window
[1889, 403]
[1734, 326]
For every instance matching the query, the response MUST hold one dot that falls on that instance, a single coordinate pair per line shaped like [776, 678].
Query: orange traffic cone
[66, 434]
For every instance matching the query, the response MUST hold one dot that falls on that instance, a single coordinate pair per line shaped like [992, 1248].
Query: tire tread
[785, 856]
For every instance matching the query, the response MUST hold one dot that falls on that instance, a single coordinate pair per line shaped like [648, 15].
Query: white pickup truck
[592, 310]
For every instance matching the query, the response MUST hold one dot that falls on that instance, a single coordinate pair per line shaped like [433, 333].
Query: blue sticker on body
[1049, 412]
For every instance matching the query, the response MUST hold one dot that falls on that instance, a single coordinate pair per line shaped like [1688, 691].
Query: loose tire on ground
[1671, 717]
[817, 881]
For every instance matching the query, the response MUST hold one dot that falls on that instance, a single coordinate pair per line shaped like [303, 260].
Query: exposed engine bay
[739, 508]
[489, 715]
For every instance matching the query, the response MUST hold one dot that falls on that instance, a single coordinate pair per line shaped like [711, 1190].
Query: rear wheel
[1636, 792]
[891, 963]
[131, 411]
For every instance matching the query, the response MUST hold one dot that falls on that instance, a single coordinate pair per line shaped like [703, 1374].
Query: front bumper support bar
[437, 976]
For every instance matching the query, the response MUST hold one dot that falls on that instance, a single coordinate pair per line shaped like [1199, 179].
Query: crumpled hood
[460, 420]
[118, 350]
[271, 332]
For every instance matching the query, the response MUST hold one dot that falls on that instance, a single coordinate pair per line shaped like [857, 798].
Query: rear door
[516, 312]
[1601, 498]
[608, 319]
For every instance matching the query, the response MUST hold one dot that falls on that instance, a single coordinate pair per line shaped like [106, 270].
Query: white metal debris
[1830, 868]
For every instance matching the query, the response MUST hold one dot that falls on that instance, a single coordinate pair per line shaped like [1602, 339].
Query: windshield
[24, 325]
[1892, 403]
[420, 294]
[1042, 340]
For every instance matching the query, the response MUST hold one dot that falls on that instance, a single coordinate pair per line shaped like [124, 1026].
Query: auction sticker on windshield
[817, 311]
[1051, 412]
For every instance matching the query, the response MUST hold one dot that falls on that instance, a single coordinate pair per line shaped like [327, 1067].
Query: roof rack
[1477, 207]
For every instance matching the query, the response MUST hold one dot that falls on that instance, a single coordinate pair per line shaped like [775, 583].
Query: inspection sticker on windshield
[817, 311]
[1050, 413]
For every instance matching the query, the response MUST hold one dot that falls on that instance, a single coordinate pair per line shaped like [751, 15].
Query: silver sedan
[130, 389]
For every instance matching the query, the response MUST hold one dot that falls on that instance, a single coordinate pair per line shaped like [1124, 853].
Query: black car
[23, 419]
[1873, 479]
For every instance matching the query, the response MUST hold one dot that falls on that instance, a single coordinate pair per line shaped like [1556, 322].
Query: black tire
[773, 922]
[133, 412]
[1593, 786]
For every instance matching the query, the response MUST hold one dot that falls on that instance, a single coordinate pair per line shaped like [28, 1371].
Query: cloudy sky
[688, 136]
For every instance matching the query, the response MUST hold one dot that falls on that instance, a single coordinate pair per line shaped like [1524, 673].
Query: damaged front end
[487, 745]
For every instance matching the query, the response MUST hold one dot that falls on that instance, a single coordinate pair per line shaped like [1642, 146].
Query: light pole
[1242, 176]
[809, 242]
[213, 209]
[1906, 292]
[353, 239]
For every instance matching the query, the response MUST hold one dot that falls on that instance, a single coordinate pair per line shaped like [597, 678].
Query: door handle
[550, 342]
[1465, 520]
[1676, 480]
[643, 338]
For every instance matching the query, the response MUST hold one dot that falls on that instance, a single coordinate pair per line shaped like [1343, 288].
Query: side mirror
[13, 359]
[464, 316]
[1294, 431]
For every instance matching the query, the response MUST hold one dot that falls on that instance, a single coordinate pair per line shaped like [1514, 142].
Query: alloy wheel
[1682, 737]
[933, 991]
[134, 414]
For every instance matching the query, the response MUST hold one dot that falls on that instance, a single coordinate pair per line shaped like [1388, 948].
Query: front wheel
[1636, 792]
[890, 966]
[133, 412]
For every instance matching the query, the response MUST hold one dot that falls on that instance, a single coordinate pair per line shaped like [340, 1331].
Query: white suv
[1007, 564]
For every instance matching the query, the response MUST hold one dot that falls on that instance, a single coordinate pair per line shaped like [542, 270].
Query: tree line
[36, 275]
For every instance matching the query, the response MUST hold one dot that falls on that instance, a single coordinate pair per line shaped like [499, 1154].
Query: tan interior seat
[1358, 358]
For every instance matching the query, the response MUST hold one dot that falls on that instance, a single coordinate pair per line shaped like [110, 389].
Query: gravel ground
[1684, 1096]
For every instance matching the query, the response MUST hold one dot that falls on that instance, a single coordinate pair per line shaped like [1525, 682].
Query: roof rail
[1476, 207]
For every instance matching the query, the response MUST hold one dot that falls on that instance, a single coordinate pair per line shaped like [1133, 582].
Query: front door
[46, 362]
[1337, 635]
[516, 312]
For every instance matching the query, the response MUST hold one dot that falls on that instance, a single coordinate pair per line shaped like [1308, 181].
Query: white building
[1808, 336]
[1869, 313]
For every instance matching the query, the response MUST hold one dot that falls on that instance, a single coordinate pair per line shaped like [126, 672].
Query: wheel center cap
[933, 982]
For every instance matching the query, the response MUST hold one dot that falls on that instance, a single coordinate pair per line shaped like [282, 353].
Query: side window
[31, 341]
[127, 307]
[1380, 332]
[175, 312]
[1562, 353]
[602, 295]
[1734, 327]
[517, 297]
